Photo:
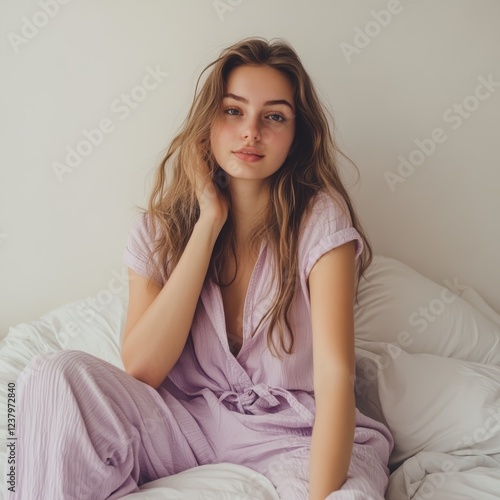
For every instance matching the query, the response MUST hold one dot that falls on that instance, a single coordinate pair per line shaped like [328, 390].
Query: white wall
[61, 240]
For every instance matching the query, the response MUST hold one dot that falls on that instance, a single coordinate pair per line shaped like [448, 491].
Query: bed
[427, 365]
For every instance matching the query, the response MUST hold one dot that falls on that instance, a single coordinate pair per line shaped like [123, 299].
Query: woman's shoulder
[141, 235]
[325, 206]
[326, 226]
[139, 253]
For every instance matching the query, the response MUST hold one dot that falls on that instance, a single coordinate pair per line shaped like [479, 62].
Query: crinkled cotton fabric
[114, 432]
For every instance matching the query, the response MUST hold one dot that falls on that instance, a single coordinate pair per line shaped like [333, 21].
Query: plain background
[64, 71]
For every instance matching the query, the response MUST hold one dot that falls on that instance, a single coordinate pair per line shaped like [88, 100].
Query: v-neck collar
[218, 303]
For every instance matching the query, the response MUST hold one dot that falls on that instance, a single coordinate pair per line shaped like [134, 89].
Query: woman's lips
[250, 158]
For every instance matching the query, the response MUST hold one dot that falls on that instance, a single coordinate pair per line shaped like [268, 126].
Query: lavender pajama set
[95, 432]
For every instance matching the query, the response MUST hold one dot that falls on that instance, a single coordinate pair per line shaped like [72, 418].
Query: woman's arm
[158, 322]
[154, 338]
[331, 286]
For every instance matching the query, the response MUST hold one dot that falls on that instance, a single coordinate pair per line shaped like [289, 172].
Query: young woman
[239, 340]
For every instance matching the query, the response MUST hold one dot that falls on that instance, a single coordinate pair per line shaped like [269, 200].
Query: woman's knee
[46, 365]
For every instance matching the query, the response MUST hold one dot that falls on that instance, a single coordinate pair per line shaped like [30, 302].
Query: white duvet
[428, 365]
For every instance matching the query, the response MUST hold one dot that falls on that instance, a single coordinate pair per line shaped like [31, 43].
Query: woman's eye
[231, 111]
[277, 118]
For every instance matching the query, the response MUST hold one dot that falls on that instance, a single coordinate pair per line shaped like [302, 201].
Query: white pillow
[437, 389]
[432, 403]
[397, 305]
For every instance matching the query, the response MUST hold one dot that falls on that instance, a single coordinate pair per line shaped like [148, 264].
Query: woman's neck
[249, 202]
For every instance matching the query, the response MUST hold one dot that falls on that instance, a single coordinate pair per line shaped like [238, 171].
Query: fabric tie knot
[245, 401]
[257, 398]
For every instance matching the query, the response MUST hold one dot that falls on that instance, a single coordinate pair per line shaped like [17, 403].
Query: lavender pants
[88, 430]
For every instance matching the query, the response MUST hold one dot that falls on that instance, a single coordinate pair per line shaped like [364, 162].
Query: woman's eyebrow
[267, 103]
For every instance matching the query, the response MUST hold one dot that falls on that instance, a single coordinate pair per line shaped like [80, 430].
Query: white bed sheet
[210, 482]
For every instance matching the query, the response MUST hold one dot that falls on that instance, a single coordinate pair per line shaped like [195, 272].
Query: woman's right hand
[214, 206]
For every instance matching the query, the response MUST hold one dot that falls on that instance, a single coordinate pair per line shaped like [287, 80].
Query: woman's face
[254, 130]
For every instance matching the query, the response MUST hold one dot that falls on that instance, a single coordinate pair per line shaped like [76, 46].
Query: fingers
[208, 184]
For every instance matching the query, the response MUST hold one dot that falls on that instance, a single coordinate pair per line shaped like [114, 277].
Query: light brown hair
[311, 167]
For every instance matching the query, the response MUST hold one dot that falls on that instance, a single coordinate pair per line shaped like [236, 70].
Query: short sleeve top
[138, 248]
[206, 362]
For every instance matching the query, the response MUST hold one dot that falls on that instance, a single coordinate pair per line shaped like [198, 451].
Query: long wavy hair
[311, 167]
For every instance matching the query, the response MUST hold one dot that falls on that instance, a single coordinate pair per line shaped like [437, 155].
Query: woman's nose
[251, 129]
